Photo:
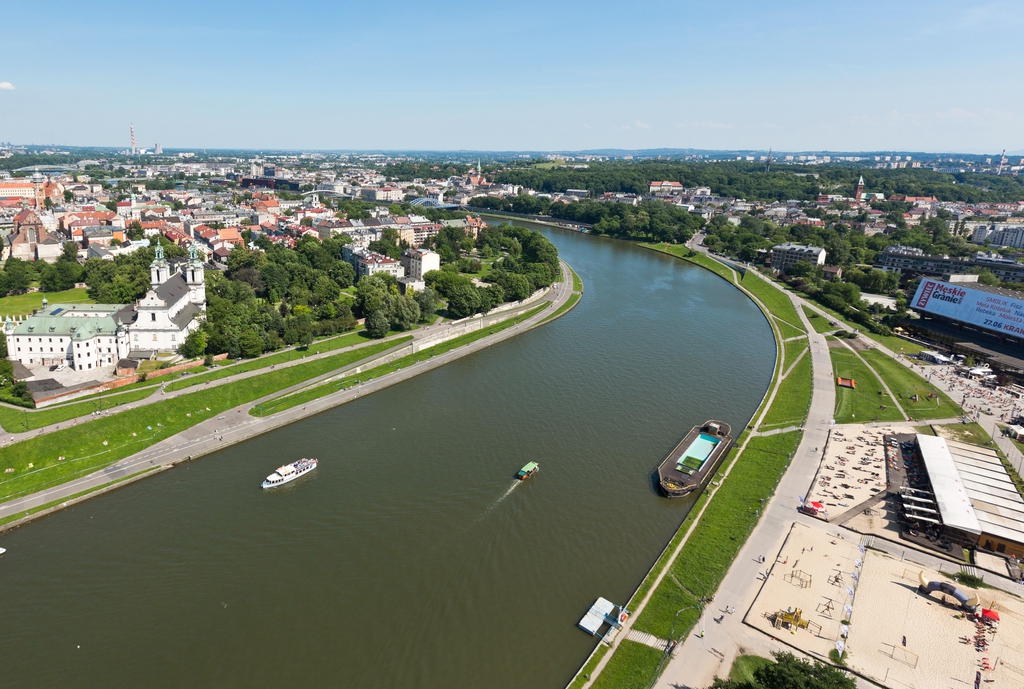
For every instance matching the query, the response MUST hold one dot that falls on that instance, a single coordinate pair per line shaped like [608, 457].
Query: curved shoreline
[181, 447]
[600, 654]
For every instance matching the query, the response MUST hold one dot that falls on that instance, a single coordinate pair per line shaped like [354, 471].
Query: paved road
[237, 425]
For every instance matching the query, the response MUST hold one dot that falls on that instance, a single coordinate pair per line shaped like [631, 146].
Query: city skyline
[457, 76]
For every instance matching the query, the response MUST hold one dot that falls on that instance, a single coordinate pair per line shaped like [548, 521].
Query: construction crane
[1002, 162]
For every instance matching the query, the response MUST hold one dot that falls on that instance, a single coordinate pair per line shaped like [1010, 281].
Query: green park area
[931, 403]
[719, 522]
[271, 360]
[37, 463]
[818, 322]
[793, 397]
[721, 530]
[307, 395]
[24, 304]
[19, 420]
[864, 402]
[777, 301]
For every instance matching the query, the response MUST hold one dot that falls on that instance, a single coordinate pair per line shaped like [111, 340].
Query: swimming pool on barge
[697, 453]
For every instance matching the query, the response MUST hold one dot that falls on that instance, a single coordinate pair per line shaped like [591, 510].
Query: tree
[789, 672]
[375, 294]
[463, 301]
[406, 312]
[68, 196]
[377, 324]
[249, 344]
[427, 302]
[194, 345]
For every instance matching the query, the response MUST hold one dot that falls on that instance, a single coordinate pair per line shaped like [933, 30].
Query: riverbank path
[700, 658]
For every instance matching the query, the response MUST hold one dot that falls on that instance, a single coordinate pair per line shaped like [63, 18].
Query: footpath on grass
[671, 598]
[194, 423]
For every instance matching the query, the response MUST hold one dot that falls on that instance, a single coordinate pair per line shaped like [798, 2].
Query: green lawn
[279, 404]
[787, 331]
[18, 420]
[96, 444]
[971, 433]
[744, 666]
[862, 404]
[793, 350]
[273, 359]
[24, 304]
[820, 325]
[719, 534]
[904, 383]
[632, 667]
[790, 405]
[577, 284]
[583, 676]
[777, 301]
[891, 342]
[569, 303]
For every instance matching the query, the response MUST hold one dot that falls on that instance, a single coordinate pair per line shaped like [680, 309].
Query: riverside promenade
[238, 425]
[698, 659]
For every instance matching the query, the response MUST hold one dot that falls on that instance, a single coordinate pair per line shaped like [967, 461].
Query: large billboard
[984, 309]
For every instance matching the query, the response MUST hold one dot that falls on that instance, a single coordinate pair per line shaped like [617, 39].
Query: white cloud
[6, 86]
[641, 125]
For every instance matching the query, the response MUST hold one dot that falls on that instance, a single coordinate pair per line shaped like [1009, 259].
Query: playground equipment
[798, 577]
[969, 603]
[794, 620]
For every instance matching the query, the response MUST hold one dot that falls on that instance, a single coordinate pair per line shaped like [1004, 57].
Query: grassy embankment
[904, 383]
[891, 342]
[279, 404]
[727, 516]
[863, 403]
[778, 302]
[75, 496]
[90, 446]
[24, 304]
[680, 251]
[794, 395]
[743, 668]
[272, 360]
[820, 324]
[19, 420]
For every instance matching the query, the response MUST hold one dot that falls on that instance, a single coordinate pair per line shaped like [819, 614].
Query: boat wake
[499, 500]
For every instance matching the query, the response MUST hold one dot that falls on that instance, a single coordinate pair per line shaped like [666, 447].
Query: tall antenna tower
[768, 163]
[135, 148]
[1002, 162]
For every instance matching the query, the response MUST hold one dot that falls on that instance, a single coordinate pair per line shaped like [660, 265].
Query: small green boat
[527, 471]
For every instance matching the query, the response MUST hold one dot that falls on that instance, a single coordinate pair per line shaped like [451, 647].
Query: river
[410, 558]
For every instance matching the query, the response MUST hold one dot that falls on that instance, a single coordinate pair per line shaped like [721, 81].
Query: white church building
[88, 336]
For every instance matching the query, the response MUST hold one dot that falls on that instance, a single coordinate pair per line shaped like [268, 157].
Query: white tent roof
[950, 493]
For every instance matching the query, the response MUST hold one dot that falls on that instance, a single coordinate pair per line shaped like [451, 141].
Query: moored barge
[695, 459]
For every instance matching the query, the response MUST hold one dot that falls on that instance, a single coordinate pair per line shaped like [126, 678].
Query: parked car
[61, 367]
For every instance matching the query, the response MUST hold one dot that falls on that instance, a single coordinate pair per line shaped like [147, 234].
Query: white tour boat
[289, 472]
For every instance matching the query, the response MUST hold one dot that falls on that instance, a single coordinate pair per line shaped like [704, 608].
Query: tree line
[749, 181]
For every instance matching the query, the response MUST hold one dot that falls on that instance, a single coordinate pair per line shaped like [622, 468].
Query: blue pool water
[699, 450]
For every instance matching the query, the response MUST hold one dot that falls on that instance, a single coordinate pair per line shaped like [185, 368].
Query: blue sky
[929, 76]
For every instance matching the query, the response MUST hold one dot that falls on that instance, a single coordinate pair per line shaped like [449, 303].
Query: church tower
[196, 279]
[159, 271]
[858, 188]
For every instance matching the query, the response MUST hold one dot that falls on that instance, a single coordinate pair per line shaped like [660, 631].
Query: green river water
[410, 558]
